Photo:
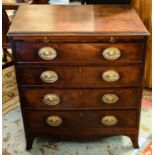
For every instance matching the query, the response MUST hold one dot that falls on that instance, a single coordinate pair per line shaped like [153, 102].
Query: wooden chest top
[35, 20]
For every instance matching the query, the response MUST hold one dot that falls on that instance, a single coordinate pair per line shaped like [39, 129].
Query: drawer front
[81, 119]
[80, 98]
[96, 76]
[78, 53]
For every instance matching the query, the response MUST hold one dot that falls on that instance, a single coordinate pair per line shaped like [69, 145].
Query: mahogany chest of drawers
[79, 70]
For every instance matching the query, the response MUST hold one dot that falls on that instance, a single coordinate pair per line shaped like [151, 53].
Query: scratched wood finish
[79, 41]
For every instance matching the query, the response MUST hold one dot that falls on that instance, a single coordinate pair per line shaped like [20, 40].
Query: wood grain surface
[81, 77]
[27, 52]
[105, 19]
[79, 34]
[75, 99]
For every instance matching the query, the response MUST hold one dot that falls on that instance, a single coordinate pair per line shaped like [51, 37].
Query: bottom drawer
[81, 119]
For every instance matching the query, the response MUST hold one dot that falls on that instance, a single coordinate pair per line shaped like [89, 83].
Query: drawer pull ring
[47, 53]
[110, 98]
[51, 99]
[112, 40]
[109, 120]
[111, 53]
[54, 121]
[49, 76]
[45, 40]
[110, 76]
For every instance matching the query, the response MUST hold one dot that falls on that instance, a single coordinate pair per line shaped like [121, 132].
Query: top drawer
[59, 53]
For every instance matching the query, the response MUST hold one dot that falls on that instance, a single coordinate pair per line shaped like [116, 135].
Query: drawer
[86, 76]
[81, 119]
[80, 98]
[78, 53]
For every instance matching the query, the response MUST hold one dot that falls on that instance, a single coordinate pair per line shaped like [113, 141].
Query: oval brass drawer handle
[47, 53]
[109, 120]
[110, 76]
[110, 98]
[51, 99]
[111, 53]
[49, 76]
[54, 121]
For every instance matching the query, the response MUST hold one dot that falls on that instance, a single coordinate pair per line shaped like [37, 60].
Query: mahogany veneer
[81, 76]
[77, 119]
[69, 98]
[78, 53]
[79, 72]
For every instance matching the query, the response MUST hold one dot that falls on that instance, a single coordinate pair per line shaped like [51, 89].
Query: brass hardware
[110, 98]
[46, 40]
[110, 76]
[49, 76]
[51, 99]
[112, 40]
[47, 53]
[109, 120]
[54, 121]
[111, 53]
